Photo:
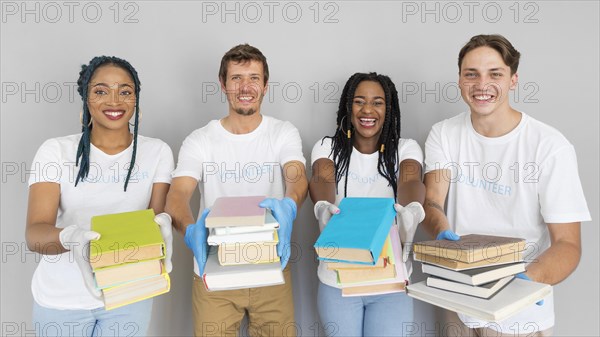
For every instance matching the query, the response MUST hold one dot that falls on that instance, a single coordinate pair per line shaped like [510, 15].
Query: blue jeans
[130, 320]
[378, 315]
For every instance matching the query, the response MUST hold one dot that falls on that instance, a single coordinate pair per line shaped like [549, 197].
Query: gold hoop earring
[341, 127]
[81, 119]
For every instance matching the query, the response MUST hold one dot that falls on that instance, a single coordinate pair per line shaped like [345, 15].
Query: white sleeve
[190, 161]
[165, 165]
[291, 145]
[46, 165]
[560, 192]
[410, 149]
[435, 158]
[322, 149]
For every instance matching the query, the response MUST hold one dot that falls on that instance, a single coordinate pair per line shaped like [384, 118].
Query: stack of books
[243, 239]
[128, 259]
[362, 245]
[475, 276]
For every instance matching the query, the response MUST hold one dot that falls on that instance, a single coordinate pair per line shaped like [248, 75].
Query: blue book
[357, 234]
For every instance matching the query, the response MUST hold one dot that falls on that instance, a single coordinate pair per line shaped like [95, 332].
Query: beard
[245, 112]
[250, 111]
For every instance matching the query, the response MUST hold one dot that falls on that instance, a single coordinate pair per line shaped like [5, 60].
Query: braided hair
[343, 139]
[85, 75]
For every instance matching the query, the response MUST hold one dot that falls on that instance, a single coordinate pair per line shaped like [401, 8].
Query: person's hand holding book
[165, 223]
[323, 212]
[524, 276]
[447, 234]
[195, 239]
[284, 211]
[77, 240]
[409, 217]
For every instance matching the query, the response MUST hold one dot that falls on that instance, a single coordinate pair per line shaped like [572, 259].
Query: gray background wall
[312, 48]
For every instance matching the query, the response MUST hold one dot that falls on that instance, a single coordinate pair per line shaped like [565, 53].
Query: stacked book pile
[128, 259]
[475, 276]
[243, 240]
[362, 245]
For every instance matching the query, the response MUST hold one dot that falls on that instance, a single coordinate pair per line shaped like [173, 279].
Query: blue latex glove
[284, 211]
[522, 276]
[195, 239]
[447, 234]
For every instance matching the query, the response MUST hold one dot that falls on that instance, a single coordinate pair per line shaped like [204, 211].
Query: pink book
[236, 211]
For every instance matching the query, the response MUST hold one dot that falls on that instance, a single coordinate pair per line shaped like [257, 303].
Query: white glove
[77, 240]
[323, 212]
[409, 218]
[164, 222]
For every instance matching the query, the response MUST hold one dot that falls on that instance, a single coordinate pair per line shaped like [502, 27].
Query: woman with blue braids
[107, 168]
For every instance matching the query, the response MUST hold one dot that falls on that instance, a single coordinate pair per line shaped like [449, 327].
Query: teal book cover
[357, 234]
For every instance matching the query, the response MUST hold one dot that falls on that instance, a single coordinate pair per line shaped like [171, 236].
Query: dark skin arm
[410, 184]
[322, 183]
[41, 233]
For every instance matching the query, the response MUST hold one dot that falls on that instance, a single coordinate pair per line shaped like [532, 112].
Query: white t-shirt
[511, 185]
[363, 181]
[227, 164]
[57, 282]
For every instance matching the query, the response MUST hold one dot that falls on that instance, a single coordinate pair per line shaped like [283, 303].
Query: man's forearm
[180, 212]
[296, 184]
[435, 218]
[297, 193]
[555, 264]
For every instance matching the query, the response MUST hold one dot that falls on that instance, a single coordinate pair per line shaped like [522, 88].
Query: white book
[475, 276]
[514, 297]
[217, 277]
[270, 225]
[484, 291]
[256, 237]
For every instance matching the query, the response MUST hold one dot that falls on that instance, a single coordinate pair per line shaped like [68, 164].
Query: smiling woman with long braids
[104, 169]
[366, 157]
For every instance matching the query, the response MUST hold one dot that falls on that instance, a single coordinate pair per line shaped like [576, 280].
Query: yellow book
[347, 277]
[248, 252]
[135, 291]
[384, 259]
[122, 273]
[125, 238]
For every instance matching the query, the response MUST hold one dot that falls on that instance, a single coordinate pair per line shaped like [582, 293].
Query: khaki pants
[220, 313]
[456, 328]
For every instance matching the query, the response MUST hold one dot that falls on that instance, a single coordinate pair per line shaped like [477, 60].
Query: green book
[125, 238]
